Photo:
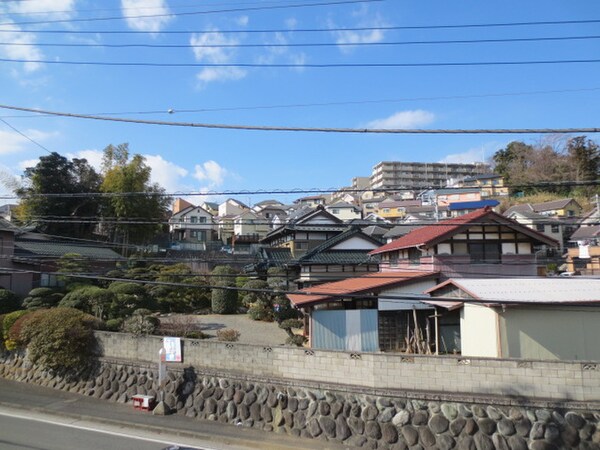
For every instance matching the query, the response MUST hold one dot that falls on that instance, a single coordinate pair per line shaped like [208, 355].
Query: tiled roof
[551, 205]
[586, 232]
[400, 230]
[5, 225]
[431, 233]
[526, 207]
[58, 249]
[360, 285]
[350, 257]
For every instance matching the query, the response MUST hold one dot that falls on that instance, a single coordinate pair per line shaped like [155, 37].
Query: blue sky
[199, 160]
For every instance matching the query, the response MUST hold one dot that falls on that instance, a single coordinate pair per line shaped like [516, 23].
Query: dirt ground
[251, 331]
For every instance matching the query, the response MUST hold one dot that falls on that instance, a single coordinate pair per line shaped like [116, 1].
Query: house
[351, 314]
[7, 211]
[489, 184]
[531, 318]
[459, 208]
[14, 276]
[550, 226]
[231, 207]
[211, 207]
[445, 197]
[391, 209]
[342, 256]
[191, 228]
[305, 231]
[566, 207]
[344, 211]
[482, 243]
[583, 252]
[312, 201]
[479, 243]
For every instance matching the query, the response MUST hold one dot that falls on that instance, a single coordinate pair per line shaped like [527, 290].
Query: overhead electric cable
[319, 30]
[307, 44]
[323, 104]
[300, 65]
[24, 135]
[189, 13]
[570, 183]
[310, 129]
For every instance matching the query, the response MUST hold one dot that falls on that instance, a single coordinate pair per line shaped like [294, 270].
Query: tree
[42, 298]
[89, 299]
[178, 298]
[224, 301]
[127, 298]
[584, 156]
[48, 196]
[140, 200]
[9, 301]
[59, 338]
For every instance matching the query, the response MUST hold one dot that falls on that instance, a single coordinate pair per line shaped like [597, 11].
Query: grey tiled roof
[349, 257]
[58, 249]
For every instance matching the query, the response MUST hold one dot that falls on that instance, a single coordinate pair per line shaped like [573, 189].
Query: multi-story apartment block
[416, 175]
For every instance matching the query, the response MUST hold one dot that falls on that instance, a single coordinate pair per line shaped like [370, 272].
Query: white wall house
[191, 228]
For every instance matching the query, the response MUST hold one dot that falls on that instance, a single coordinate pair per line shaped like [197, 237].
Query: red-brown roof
[431, 233]
[359, 285]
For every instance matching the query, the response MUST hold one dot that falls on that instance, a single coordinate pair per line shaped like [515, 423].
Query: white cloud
[291, 23]
[404, 120]
[215, 55]
[211, 172]
[482, 153]
[44, 8]
[134, 10]
[165, 173]
[11, 142]
[364, 19]
[242, 21]
[28, 163]
[93, 157]
[27, 52]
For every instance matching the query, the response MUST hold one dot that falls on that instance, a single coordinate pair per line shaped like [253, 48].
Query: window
[540, 227]
[555, 228]
[484, 252]
[414, 256]
[386, 210]
[193, 219]
[202, 219]
[335, 211]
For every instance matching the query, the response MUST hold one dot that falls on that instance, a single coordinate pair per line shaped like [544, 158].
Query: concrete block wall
[509, 379]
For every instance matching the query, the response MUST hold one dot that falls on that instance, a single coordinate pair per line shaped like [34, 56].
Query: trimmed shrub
[141, 322]
[114, 324]
[7, 324]
[228, 335]
[59, 338]
[9, 301]
[127, 298]
[224, 301]
[42, 298]
[89, 299]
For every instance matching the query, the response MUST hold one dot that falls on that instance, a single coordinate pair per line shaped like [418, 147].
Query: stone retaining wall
[395, 421]
[509, 379]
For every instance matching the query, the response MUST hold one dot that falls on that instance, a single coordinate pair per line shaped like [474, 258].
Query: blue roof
[473, 205]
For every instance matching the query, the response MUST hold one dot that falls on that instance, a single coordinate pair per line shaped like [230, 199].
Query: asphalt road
[77, 415]
[35, 432]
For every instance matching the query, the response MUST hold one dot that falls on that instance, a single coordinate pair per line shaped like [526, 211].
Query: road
[73, 419]
[37, 432]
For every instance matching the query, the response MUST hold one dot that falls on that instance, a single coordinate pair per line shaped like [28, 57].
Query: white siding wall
[478, 330]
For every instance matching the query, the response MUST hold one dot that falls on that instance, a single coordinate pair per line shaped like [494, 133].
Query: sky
[288, 63]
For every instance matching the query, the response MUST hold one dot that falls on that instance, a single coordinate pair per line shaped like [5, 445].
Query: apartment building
[416, 175]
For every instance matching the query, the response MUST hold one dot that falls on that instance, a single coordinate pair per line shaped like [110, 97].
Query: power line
[321, 30]
[307, 44]
[310, 129]
[570, 183]
[341, 103]
[408, 296]
[24, 135]
[382, 65]
[189, 13]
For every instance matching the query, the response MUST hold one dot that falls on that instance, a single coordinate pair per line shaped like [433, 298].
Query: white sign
[172, 346]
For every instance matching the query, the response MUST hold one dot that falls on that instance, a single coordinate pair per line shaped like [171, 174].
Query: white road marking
[90, 428]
